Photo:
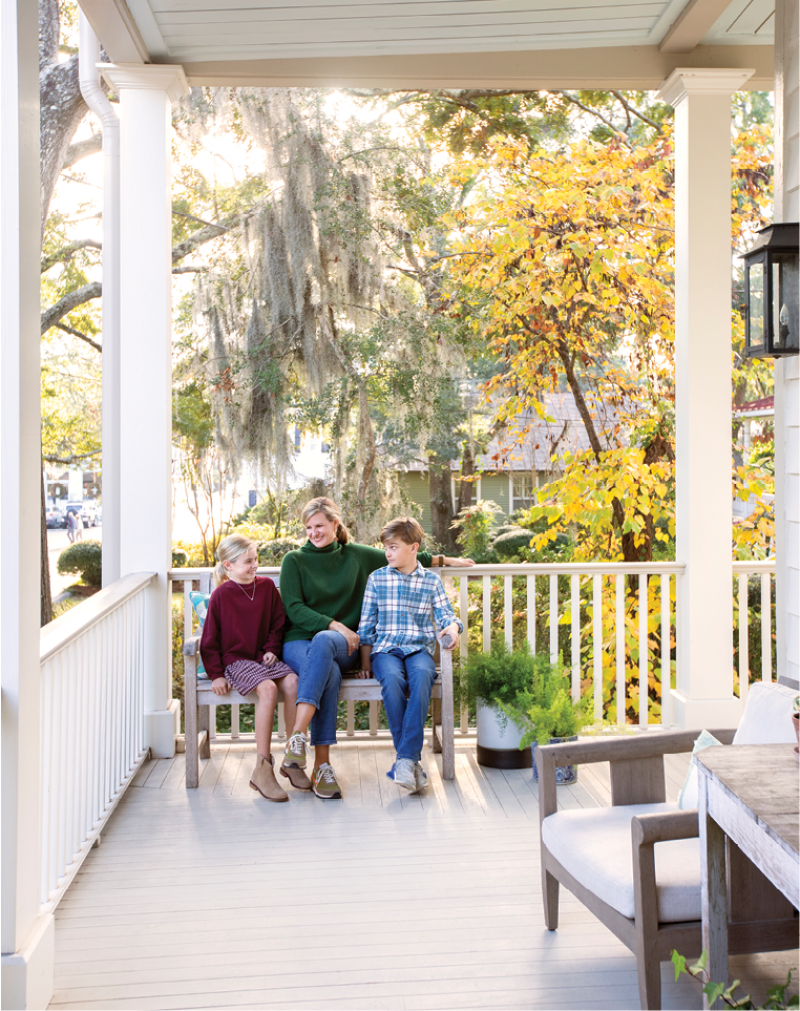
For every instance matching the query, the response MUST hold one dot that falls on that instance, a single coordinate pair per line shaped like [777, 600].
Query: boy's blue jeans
[397, 672]
[319, 663]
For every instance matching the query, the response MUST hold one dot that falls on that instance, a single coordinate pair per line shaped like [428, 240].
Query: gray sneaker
[297, 750]
[323, 782]
[404, 774]
[420, 779]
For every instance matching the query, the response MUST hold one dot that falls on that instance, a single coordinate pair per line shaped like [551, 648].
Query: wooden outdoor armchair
[199, 697]
[649, 898]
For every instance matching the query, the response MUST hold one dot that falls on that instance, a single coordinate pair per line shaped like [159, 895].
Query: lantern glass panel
[755, 282]
[784, 301]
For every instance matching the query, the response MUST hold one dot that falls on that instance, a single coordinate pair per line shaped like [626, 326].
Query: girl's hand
[453, 632]
[459, 563]
[269, 659]
[220, 686]
[351, 637]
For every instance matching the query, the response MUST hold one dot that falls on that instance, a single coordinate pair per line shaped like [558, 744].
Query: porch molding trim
[685, 81]
[136, 77]
[27, 974]
[605, 67]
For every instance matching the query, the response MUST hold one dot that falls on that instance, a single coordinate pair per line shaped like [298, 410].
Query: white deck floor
[215, 898]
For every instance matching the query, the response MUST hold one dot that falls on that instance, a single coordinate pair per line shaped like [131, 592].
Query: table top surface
[764, 778]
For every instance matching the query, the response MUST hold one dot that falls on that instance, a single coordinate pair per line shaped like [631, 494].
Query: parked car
[54, 517]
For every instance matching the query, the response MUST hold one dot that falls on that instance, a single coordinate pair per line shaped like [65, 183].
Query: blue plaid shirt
[396, 612]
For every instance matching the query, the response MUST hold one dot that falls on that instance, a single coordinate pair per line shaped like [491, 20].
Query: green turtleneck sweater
[321, 585]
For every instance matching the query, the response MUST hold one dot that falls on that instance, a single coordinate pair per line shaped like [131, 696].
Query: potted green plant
[547, 713]
[491, 681]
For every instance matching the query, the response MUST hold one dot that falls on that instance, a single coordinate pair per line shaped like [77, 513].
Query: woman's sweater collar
[329, 549]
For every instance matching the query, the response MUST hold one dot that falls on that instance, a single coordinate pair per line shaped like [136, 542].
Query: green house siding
[415, 485]
[495, 488]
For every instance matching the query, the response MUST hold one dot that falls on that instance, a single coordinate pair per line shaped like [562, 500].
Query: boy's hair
[404, 528]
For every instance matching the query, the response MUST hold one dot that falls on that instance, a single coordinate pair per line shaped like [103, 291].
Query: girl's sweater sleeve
[277, 619]
[210, 642]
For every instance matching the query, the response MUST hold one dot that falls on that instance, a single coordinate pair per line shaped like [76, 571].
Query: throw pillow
[689, 794]
[200, 605]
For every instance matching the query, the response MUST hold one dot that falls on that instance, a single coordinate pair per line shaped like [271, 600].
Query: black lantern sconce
[771, 293]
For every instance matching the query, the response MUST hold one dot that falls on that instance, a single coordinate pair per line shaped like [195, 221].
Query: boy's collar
[414, 571]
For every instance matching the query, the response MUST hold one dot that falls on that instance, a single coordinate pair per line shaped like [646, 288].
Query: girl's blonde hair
[228, 550]
[330, 511]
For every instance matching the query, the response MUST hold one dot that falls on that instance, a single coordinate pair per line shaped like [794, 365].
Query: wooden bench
[199, 697]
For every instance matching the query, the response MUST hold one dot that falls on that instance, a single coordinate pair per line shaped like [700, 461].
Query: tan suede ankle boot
[263, 780]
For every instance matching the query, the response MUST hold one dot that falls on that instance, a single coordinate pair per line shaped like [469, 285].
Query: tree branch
[592, 112]
[69, 302]
[66, 252]
[67, 460]
[82, 149]
[631, 109]
[78, 334]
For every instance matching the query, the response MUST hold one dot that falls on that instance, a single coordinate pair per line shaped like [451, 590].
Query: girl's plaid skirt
[244, 675]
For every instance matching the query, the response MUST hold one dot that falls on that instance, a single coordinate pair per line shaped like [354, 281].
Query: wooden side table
[750, 793]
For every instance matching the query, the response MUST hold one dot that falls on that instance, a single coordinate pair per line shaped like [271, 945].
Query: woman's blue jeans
[397, 672]
[319, 663]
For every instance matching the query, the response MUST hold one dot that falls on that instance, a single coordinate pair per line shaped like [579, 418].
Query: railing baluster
[597, 644]
[766, 627]
[744, 638]
[531, 608]
[575, 645]
[666, 655]
[508, 611]
[644, 652]
[463, 645]
[620, 637]
[487, 613]
[553, 618]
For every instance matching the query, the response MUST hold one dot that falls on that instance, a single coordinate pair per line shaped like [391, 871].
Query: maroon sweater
[237, 628]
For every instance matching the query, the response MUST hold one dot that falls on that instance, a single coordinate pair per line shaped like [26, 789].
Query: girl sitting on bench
[241, 646]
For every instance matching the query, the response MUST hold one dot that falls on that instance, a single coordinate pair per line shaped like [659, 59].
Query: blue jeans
[397, 673]
[319, 663]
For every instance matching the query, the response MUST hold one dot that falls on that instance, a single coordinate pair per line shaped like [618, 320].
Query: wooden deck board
[408, 902]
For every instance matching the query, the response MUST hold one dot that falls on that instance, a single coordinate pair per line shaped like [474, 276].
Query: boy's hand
[453, 632]
[269, 659]
[220, 686]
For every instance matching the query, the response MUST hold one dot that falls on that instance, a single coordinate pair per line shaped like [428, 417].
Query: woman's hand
[459, 563]
[351, 637]
[220, 686]
[453, 631]
[269, 659]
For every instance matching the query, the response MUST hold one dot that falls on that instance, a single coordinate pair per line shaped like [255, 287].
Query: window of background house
[522, 490]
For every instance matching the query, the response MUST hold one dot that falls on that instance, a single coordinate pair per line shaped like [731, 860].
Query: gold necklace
[248, 595]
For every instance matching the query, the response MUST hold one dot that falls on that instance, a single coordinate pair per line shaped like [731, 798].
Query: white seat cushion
[595, 847]
[767, 717]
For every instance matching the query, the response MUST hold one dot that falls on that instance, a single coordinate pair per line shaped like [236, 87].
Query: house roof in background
[764, 404]
[407, 43]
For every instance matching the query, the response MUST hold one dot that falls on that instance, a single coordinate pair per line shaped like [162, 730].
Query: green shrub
[180, 559]
[499, 675]
[510, 541]
[545, 708]
[272, 552]
[84, 558]
[476, 524]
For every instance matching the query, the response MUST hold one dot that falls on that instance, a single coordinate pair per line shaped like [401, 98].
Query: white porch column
[146, 94]
[787, 370]
[702, 102]
[27, 936]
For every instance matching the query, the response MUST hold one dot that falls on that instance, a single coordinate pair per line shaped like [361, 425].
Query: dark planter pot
[565, 774]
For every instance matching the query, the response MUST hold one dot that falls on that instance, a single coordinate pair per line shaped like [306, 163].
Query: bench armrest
[191, 646]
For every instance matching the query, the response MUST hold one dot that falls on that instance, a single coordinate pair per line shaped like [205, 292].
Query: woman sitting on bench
[322, 587]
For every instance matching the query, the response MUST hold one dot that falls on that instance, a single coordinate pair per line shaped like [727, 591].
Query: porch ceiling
[406, 43]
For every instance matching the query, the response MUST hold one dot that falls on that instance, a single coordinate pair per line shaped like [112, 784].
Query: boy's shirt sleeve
[367, 626]
[443, 613]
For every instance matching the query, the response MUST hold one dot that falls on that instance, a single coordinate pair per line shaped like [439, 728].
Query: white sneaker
[404, 774]
[297, 750]
[420, 779]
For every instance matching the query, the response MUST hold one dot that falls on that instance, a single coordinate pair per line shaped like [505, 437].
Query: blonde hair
[404, 528]
[228, 550]
[330, 511]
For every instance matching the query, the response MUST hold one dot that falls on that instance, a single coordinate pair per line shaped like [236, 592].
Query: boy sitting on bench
[398, 637]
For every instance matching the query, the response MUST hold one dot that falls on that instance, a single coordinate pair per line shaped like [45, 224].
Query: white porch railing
[607, 620]
[92, 723]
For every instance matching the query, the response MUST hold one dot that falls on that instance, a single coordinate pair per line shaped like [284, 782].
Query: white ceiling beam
[628, 67]
[116, 28]
[696, 19]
